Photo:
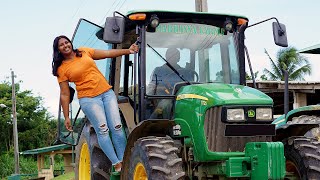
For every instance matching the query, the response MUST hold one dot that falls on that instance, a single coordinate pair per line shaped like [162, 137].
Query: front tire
[302, 157]
[155, 158]
[91, 162]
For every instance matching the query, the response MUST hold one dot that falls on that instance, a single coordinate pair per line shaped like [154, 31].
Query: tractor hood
[224, 94]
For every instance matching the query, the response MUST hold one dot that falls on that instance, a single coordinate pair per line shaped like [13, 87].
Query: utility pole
[15, 126]
[201, 5]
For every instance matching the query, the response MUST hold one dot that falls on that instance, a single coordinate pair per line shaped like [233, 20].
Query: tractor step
[114, 175]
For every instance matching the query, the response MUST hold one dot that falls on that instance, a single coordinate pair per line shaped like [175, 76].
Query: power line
[76, 12]
[93, 43]
[122, 5]
[80, 6]
[99, 23]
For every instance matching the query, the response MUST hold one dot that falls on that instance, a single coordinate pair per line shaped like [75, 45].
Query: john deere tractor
[298, 129]
[299, 132]
[199, 121]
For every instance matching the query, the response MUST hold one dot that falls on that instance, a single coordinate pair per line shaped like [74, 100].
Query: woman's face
[64, 47]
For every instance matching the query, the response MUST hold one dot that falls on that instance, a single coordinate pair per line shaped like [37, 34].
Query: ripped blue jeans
[103, 113]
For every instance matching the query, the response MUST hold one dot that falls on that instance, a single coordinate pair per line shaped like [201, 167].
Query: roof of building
[46, 149]
[311, 50]
[278, 86]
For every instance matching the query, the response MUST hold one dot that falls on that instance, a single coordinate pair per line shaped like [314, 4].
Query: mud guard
[293, 130]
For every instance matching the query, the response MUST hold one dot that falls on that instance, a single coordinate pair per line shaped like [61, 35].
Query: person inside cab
[162, 82]
[163, 78]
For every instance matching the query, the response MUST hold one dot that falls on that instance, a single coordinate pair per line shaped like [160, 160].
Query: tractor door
[87, 34]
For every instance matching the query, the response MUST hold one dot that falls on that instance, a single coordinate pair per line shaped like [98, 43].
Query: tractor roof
[185, 15]
[176, 16]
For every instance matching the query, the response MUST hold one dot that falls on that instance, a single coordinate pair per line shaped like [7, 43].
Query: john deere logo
[251, 113]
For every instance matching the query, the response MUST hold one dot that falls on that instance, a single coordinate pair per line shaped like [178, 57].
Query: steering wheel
[194, 73]
[172, 78]
[187, 74]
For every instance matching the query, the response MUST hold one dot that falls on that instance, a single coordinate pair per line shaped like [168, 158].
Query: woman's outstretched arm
[102, 54]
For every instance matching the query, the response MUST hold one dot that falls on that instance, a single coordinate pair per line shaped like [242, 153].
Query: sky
[28, 28]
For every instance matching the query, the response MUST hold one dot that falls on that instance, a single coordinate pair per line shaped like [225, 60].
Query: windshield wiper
[169, 65]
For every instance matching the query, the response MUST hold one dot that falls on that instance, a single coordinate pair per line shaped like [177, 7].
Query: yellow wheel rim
[84, 163]
[140, 172]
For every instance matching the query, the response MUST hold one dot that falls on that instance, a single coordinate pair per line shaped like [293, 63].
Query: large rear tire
[155, 158]
[302, 157]
[91, 162]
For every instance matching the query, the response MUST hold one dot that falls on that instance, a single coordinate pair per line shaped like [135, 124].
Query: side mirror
[114, 30]
[280, 34]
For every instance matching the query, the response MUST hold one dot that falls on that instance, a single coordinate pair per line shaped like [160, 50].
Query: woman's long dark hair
[57, 57]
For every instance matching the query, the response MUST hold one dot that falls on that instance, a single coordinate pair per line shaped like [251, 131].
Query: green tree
[288, 59]
[256, 74]
[35, 127]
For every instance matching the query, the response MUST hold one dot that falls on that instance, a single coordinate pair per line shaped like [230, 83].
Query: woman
[96, 98]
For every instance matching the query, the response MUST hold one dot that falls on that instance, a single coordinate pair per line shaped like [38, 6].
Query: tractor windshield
[199, 53]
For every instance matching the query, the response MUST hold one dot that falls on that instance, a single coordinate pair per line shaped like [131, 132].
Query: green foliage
[39, 136]
[35, 127]
[67, 176]
[288, 59]
[6, 164]
[248, 77]
[27, 165]
[263, 77]
[256, 74]
[58, 162]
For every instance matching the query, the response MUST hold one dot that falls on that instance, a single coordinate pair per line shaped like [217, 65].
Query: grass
[67, 176]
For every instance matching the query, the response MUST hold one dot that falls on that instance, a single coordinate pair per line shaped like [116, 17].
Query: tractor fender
[304, 110]
[290, 130]
[290, 117]
[145, 128]
[297, 122]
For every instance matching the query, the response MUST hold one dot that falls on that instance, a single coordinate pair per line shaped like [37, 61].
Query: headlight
[264, 114]
[235, 115]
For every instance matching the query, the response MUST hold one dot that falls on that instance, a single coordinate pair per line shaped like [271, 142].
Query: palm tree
[288, 59]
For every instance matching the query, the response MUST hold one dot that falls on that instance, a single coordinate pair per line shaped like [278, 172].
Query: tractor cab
[178, 50]
[183, 54]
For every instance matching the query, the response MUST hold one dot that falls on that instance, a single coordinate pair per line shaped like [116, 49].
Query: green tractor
[205, 125]
[298, 130]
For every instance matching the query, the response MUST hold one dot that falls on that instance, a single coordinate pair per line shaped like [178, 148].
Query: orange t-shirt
[84, 72]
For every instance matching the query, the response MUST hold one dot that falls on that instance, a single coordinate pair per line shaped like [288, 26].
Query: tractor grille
[214, 130]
